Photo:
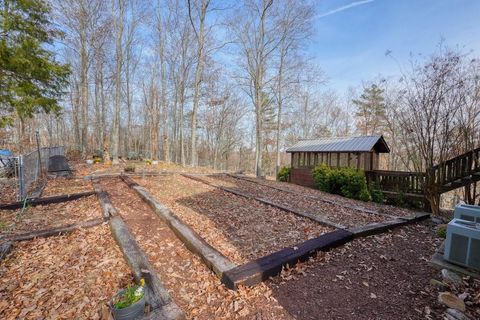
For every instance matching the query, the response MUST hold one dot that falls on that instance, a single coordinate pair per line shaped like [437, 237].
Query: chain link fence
[30, 170]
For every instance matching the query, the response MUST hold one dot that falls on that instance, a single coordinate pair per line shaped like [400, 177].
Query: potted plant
[129, 303]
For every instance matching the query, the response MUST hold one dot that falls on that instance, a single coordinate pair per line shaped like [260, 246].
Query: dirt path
[192, 286]
[380, 277]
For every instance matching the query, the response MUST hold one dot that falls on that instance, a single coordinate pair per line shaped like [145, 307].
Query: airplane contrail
[345, 7]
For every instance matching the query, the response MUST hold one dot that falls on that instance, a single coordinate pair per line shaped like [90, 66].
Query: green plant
[283, 174]
[399, 199]
[442, 231]
[321, 176]
[128, 296]
[376, 193]
[348, 182]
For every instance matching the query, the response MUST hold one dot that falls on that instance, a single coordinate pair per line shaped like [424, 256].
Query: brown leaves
[59, 186]
[191, 284]
[51, 215]
[239, 228]
[62, 277]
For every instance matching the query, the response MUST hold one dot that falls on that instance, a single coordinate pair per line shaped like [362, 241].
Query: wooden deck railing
[396, 181]
[457, 168]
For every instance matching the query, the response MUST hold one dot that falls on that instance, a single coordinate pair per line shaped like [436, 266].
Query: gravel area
[335, 213]
[61, 186]
[191, 284]
[380, 277]
[64, 277]
[49, 216]
[239, 228]
[301, 190]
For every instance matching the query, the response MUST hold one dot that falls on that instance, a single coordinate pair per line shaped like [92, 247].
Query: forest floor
[386, 276]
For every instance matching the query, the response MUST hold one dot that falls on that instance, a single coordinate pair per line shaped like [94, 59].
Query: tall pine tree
[370, 111]
[30, 78]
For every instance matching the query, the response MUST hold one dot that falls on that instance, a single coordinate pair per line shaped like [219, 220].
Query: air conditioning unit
[463, 243]
[467, 212]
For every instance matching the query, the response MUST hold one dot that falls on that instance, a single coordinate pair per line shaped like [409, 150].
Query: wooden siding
[302, 176]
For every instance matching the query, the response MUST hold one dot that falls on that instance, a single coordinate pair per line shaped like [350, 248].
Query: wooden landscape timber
[55, 231]
[271, 265]
[310, 216]
[5, 249]
[214, 260]
[139, 174]
[46, 200]
[156, 295]
[107, 207]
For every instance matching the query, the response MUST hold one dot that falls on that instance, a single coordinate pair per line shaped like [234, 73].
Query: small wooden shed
[360, 152]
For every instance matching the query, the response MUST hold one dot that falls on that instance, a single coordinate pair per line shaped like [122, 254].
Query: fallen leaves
[62, 277]
[335, 213]
[191, 284]
[50, 216]
[60, 186]
[239, 228]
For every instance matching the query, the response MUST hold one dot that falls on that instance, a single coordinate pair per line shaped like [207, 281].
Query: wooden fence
[397, 181]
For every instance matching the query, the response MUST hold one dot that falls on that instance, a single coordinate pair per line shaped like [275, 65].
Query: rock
[451, 277]
[457, 315]
[438, 284]
[463, 296]
[451, 301]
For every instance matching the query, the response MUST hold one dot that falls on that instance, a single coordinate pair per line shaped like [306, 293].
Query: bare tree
[430, 101]
[118, 12]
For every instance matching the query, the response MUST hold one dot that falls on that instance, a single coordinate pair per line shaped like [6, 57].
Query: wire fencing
[30, 170]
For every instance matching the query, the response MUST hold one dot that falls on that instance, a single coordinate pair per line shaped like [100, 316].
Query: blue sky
[352, 36]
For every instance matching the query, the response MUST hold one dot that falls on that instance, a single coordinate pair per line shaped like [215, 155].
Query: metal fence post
[21, 178]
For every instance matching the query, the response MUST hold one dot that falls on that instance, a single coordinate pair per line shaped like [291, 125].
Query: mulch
[241, 229]
[63, 277]
[382, 208]
[379, 277]
[191, 284]
[334, 213]
[49, 216]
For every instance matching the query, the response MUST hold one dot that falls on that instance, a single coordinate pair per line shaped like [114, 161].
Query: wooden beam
[5, 249]
[271, 265]
[216, 261]
[156, 294]
[107, 207]
[54, 231]
[46, 200]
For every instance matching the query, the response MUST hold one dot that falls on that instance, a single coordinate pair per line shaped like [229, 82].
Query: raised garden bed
[41, 217]
[62, 277]
[191, 284]
[60, 186]
[309, 192]
[239, 228]
[337, 214]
